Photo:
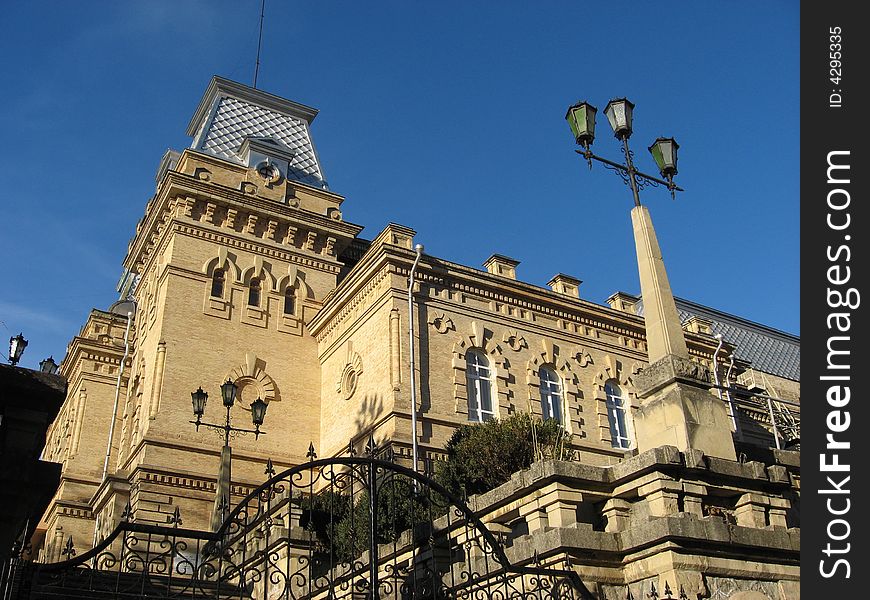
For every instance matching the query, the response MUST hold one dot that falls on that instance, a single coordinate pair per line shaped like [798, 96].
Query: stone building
[244, 268]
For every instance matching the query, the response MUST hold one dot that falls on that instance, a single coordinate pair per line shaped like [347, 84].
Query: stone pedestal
[677, 409]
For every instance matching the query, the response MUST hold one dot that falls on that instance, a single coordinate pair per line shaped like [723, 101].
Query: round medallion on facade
[349, 380]
[268, 171]
[249, 389]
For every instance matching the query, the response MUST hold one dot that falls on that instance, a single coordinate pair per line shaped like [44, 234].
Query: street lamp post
[664, 331]
[672, 392]
[620, 112]
[229, 391]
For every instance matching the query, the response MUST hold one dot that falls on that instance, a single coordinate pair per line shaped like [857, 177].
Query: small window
[217, 283]
[551, 394]
[289, 302]
[254, 292]
[616, 415]
[478, 377]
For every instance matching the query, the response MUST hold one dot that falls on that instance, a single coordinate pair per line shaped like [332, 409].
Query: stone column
[664, 333]
[676, 406]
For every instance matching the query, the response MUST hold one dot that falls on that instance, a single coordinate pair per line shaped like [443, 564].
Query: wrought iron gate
[354, 528]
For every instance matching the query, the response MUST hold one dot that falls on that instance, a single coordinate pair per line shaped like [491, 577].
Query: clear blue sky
[444, 116]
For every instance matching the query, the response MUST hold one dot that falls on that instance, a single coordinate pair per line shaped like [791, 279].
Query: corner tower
[233, 257]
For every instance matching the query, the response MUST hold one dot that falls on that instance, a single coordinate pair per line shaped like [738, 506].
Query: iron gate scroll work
[355, 528]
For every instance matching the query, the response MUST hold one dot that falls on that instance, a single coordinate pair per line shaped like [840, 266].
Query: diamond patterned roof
[768, 349]
[235, 119]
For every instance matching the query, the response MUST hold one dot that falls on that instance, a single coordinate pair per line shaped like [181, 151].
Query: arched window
[616, 415]
[254, 292]
[551, 394]
[289, 301]
[478, 377]
[217, 283]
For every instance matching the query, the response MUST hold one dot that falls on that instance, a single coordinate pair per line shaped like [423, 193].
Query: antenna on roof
[259, 41]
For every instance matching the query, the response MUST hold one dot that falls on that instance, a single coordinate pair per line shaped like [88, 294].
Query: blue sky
[447, 117]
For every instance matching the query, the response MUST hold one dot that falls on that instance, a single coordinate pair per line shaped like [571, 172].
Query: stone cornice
[362, 299]
[321, 326]
[159, 214]
[482, 285]
[240, 242]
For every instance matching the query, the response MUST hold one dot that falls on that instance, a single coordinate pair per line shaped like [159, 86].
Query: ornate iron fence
[351, 527]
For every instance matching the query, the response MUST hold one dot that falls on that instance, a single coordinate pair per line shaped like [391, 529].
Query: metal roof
[767, 349]
[231, 112]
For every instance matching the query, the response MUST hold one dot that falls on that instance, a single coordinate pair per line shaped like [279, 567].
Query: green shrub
[481, 457]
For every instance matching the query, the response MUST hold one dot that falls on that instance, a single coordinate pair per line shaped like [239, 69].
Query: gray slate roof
[767, 349]
[231, 112]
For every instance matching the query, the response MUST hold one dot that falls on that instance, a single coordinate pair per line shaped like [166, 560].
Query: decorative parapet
[623, 302]
[565, 285]
[658, 514]
[697, 324]
[501, 265]
[395, 235]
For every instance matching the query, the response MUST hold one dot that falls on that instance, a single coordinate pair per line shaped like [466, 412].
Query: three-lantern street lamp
[17, 345]
[229, 391]
[581, 118]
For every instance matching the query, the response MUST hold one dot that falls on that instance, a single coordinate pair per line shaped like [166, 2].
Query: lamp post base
[677, 409]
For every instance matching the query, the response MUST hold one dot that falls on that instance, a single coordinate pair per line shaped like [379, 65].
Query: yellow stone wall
[79, 435]
[335, 370]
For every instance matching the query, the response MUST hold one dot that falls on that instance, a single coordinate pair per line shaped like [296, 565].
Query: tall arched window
[551, 394]
[217, 283]
[616, 415]
[478, 377]
[289, 301]
[254, 292]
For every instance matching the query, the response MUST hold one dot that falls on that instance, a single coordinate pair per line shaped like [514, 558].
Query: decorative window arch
[289, 305]
[218, 283]
[474, 337]
[616, 404]
[616, 397]
[219, 274]
[255, 291]
[478, 377]
[564, 363]
[552, 396]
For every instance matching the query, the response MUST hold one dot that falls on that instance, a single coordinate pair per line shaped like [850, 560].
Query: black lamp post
[17, 345]
[229, 390]
[619, 112]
